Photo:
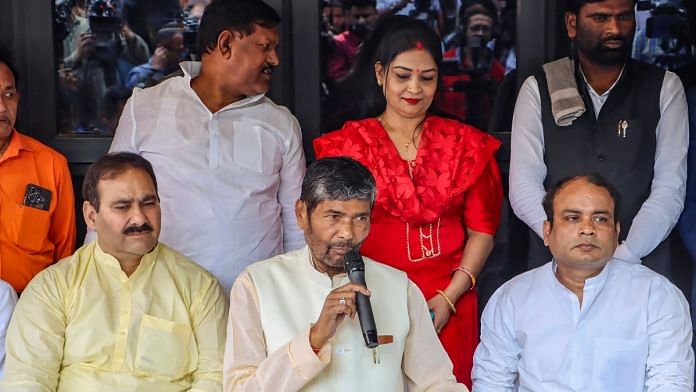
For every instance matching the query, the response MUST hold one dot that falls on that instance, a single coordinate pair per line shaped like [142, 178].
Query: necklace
[408, 143]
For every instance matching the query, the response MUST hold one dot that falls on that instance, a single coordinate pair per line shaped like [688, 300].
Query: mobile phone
[37, 197]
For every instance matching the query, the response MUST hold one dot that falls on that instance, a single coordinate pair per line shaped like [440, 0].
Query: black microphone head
[353, 262]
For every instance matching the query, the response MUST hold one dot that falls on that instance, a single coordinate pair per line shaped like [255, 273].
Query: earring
[379, 82]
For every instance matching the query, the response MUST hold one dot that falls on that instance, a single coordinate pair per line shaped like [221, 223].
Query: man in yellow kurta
[124, 313]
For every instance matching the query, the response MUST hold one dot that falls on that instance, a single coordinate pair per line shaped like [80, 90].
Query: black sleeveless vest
[599, 144]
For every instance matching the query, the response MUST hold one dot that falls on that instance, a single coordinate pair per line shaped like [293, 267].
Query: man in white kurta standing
[229, 161]
[294, 327]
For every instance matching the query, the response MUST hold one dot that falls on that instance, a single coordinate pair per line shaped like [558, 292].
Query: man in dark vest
[601, 111]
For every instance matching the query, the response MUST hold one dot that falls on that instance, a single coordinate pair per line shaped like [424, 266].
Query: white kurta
[274, 303]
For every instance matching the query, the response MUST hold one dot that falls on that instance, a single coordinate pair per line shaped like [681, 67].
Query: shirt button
[601, 157]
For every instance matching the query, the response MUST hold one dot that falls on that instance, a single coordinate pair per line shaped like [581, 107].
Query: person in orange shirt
[37, 208]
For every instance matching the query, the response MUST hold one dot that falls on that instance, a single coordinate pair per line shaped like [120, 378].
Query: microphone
[355, 268]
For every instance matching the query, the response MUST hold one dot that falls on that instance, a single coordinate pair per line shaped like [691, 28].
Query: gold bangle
[471, 276]
[449, 302]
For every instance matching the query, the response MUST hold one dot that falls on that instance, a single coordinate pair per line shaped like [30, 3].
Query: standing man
[37, 207]
[229, 161]
[294, 325]
[125, 312]
[605, 113]
[362, 15]
[585, 321]
[469, 88]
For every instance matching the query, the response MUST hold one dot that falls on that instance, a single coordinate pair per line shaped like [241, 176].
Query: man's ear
[301, 214]
[546, 231]
[226, 40]
[618, 231]
[571, 21]
[90, 214]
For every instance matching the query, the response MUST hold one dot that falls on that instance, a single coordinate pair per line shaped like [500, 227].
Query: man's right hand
[338, 304]
[85, 46]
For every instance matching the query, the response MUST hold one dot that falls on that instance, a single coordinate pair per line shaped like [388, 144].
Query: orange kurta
[32, 239]
[420, 218]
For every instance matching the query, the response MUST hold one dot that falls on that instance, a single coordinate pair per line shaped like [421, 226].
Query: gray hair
[337, 178]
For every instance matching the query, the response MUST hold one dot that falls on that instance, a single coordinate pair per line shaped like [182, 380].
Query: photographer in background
[333, 16]
[471, 73]
[103, 56]
[168, 52]
[662, 36]
[362, 15]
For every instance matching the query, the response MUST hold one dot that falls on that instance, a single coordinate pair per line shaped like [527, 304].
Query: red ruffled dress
[420, 217]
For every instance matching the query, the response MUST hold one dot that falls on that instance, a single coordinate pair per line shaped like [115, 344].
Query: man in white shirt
[294, 327]
[585, 321]
[229, 161]
[633, 131]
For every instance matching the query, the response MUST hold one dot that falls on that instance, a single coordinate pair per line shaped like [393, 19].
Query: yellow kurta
[83, 325]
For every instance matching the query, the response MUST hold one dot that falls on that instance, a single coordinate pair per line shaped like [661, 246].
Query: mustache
[135, 229]
[268, 67]
[615, 38]
[344, 244]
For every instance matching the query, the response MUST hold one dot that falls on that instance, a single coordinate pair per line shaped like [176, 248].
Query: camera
[189, 26]
[668, 25]
[667, 19]
[105, 22]
[104, 17]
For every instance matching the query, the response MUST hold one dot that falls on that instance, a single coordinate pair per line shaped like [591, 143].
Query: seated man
[585, 321]
[294, 325]
[124, 313]
[37, 206]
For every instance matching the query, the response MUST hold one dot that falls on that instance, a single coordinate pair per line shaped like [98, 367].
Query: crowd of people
[216, 258]
[476, 35]
[108, 47]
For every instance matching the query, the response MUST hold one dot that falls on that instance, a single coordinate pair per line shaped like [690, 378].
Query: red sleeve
[483, 202]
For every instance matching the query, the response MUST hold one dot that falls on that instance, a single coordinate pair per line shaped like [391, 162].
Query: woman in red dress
[438, 186]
